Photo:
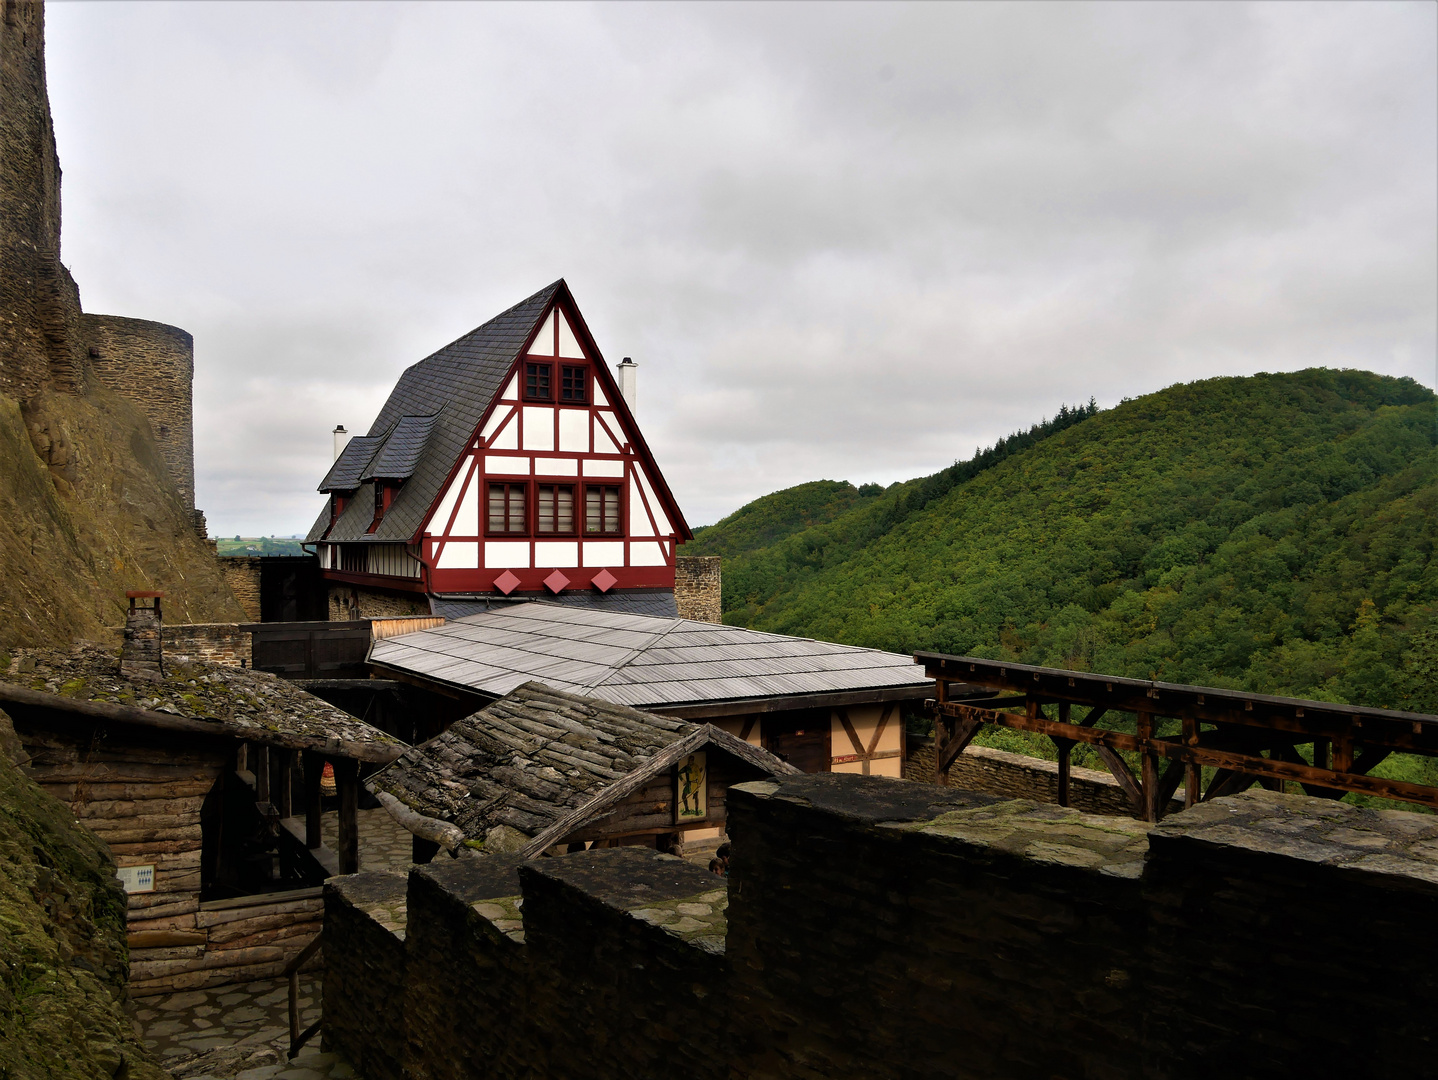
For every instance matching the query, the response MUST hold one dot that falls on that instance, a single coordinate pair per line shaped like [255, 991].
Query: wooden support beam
[314, 769]
[347, 781]
[1119, 768]
[285, 797]
[1227, 782]
[1064, 748]
[1173, 773]
[1193, 774]
[964, 733]
[1148, 767]
[260, 766]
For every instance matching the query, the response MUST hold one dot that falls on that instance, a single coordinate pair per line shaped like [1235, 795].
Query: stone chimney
[698, 588]
[342, 439]
[628, 373]
[140, 657]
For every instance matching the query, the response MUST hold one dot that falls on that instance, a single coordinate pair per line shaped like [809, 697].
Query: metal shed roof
[646, 662]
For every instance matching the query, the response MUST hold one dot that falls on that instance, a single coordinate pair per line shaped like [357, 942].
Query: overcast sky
[842, 241]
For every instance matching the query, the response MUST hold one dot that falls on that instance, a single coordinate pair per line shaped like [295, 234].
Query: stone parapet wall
[1015, 776]
[698, 588]
[882, 929]
[152, 365]
[366, 912]
[217, 643]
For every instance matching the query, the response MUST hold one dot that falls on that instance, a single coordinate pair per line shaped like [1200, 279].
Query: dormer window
[539, 382]
[573, 384]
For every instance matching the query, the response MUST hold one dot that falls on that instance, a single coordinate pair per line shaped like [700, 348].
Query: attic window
[538, 380]
[573, 383]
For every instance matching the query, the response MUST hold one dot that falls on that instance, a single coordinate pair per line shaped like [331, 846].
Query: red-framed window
[507, 509]
[554, 509]
[538, 381]
[574, 383]
[603, 510]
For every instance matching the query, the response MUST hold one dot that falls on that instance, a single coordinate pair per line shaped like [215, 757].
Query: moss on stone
[63, 957]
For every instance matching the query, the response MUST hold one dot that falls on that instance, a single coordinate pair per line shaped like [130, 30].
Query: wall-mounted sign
[137, 878]
[691, 789]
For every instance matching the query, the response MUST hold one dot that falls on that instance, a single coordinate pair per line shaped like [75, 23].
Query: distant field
[259, 545]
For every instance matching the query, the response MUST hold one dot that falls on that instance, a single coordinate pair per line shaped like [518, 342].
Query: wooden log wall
[142, 793]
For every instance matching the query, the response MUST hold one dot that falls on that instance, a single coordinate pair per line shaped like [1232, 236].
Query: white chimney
[342, 438]
[628, 387]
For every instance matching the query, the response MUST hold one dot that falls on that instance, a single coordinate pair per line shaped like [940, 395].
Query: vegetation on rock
[63, 957]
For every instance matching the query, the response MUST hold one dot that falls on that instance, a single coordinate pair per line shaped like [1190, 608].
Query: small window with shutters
[507, 510]
[602, 511]
[554, 509]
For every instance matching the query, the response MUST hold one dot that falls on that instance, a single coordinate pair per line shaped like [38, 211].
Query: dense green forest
[1273, 533]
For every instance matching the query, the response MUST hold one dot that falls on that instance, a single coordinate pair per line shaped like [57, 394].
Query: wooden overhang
[1245, 738]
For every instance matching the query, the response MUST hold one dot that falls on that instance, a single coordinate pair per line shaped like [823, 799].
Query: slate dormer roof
[451, 389]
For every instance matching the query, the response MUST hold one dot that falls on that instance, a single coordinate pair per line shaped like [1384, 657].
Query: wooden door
[800, 738]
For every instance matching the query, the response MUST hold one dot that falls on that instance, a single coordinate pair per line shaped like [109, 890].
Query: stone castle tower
[97, 468]
[46, 340]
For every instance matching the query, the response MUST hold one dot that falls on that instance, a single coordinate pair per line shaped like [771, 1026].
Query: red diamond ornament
[555, 582]
[506, 582]
[604, 581]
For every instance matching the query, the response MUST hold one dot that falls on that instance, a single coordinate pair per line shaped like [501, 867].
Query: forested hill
[1273, 533]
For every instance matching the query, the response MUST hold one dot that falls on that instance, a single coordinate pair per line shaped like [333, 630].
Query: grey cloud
[848, 240]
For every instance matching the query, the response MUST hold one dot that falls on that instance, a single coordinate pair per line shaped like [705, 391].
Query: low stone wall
[217, 643]
[367, 913]
[698, 588]
[350, 602]
[1016, 776]
[881, 929]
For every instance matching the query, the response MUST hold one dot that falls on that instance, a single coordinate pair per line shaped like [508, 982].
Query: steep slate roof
[454, 386]
[193, 697]
[637, 660]
[545, 763]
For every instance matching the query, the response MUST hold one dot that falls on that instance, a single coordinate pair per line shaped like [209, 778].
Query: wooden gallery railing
[1244, 738]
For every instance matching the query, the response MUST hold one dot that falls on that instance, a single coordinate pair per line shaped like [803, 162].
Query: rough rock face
[63, 958]
[88, 505]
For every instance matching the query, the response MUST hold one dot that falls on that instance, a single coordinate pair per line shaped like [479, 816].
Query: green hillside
[1273, 533]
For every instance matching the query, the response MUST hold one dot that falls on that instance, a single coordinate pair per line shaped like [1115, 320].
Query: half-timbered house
[507, 464]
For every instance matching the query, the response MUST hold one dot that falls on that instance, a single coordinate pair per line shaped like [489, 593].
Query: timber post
[285, 803]
[347, 781]
[314, 769]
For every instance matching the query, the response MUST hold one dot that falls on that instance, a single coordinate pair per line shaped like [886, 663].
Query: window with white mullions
[507, 509]
[555, 508]
[601, 510]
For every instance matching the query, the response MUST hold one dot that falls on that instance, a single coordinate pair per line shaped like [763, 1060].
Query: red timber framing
[568, 432]
[1234, 739]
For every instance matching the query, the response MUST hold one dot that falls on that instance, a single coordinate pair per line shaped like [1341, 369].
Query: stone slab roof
[454, 386]
[658, 602]
[193, 697]
[639, 660]
[543, 762]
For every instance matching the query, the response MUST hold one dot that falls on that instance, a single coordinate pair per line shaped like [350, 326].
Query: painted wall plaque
[691, 782]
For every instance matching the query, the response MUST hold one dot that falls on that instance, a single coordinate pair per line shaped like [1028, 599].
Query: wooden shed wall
[142, 792]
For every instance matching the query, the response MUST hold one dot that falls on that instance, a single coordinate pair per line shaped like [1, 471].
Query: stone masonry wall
[152, 365]
[882, 929]
[350, 602]
[41, 342]
[242, 575]
[698, 588]
[366, 911]
[218, 643]
[1015, 776]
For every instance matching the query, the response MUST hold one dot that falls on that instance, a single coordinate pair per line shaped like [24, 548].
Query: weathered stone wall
[217, 643]
[1015, 776]
[361, 1014]
[153, 366]
[243, 575]
[698, 588]
[882, 929]
[350, 602]
[41, 342]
